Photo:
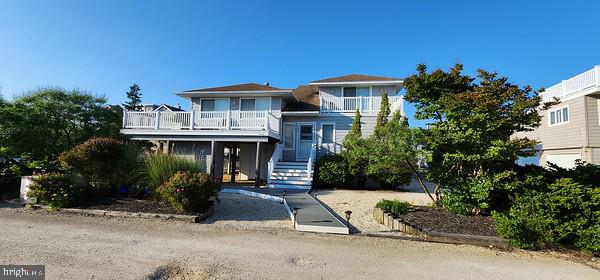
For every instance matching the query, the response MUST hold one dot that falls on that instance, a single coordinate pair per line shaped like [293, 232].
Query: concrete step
[290, 182]
[284, 186]
[291, 178]
[290, 170]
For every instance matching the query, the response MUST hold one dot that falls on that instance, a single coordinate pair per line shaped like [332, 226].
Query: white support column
[157, 121]
[228, 124]
[257, 166]
[267, 120]
[124, 119]
[192, 117]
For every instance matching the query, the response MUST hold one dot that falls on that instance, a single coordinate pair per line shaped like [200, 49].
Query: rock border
[385, 218]
[97, 212]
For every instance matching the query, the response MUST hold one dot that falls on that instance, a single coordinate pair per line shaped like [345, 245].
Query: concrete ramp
[311, 215]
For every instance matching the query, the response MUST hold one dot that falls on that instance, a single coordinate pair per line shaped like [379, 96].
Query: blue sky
[166, 46]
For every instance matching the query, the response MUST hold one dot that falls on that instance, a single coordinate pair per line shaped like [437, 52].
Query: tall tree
[39, 125]
[474, 122]
[134, 98]
[382, 115]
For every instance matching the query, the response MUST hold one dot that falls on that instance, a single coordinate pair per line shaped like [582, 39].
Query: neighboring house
[278, 134]
[160, 107]
[570, 130]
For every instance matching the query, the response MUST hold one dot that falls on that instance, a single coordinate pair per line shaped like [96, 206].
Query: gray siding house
[570, 130]
[270, 135]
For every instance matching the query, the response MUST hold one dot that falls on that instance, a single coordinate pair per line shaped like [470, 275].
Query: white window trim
[293, 125]
[321, 133]
[559, 109]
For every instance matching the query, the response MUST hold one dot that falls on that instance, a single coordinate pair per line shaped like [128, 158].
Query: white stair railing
[311, 162]
[277, 154]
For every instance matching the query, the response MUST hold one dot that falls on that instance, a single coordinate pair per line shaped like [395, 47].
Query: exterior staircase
[291, 175]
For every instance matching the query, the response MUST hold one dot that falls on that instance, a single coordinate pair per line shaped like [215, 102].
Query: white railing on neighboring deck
[140, 119]
[250, 120]
[364, 104]
[275, 158]
[311, 162]
[574, 85]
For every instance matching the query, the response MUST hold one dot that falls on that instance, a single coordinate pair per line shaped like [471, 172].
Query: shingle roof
[239, 87]
[356, 78]
[308, 99]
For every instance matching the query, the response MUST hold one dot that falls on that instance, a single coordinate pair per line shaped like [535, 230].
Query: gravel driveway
[83, 247]
[361, 203]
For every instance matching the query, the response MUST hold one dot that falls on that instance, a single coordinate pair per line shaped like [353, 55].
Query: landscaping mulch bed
[432, 219]
[133, 206]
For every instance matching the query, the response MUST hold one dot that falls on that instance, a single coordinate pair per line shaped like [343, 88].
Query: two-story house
[278, 134]
[570, 130]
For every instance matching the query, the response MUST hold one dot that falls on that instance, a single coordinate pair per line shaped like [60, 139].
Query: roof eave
[391, 83]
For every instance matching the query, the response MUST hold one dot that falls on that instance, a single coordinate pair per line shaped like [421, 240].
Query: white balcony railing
[364, 104]
[567, 88]
[248, 120]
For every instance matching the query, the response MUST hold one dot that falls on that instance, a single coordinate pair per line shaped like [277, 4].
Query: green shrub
[105, 163]
[158, 168]
[56, 190]
[332, 171]
[481, 194]
[564, 212]
[188, 191]
[396, 207]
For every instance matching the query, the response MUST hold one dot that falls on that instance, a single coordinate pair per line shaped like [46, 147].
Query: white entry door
[305, 139]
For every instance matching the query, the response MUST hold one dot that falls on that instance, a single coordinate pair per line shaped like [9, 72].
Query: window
[559, 116]
[207, 105]
[327, 133]
[349, 92]
[288, 136]
[248, 105]
[306, 132]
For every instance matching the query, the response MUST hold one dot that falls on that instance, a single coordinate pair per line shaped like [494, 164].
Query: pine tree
[382, 116]
[134, 96]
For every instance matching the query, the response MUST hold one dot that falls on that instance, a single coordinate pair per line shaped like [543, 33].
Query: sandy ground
[361, 203]
[85, 247]
[236, 210]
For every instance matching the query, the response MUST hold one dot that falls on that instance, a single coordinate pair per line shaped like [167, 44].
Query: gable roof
[237, 88]
[308, 99]
[356, 78]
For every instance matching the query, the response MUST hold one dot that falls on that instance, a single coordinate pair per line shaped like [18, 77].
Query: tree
[134, 98]
[474, 121]
[382, 115]
[356, 151]
[36, 127]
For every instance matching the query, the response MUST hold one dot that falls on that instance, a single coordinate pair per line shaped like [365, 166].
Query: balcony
[371, 104]
[584, 82]
[261, 121]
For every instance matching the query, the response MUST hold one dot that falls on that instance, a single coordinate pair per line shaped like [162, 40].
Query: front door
[305, 140]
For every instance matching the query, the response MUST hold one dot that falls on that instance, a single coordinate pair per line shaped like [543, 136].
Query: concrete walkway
[311, 215]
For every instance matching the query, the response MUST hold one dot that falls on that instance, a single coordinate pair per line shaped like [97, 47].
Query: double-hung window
[327, 131]
[558, 116]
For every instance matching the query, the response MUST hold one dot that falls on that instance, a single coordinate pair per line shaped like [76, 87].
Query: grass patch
[396, 207]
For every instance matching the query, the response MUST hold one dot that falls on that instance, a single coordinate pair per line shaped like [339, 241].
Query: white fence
[251, 120]
[567, 88]
[364, 104]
